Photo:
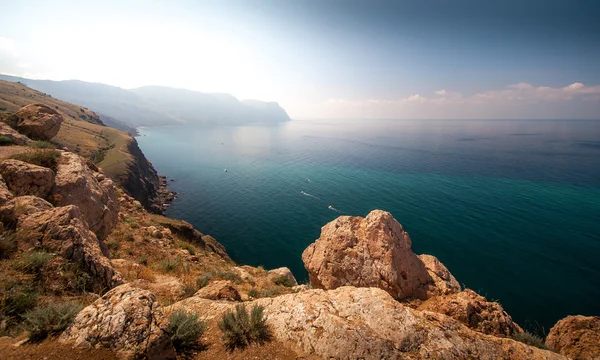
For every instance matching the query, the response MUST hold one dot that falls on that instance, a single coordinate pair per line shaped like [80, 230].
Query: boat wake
[334, 209]
[307, 194]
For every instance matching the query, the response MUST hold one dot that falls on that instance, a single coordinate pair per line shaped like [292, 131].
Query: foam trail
[334, 209]
[307, 194]
[307, 179]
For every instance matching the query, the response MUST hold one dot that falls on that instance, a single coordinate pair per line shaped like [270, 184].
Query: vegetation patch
[186, 330]
[283, 280]
[530, 339]
[41, 157]
[50, 319]
[40, 144]
[8, 244]
[33, 262]
[5, 140]
[240, 329]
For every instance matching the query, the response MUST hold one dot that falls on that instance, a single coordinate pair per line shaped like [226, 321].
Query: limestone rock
[367, 323]
[27, 179]
[127, 320]
[475, 311]
[219, 290]
[38, 121]
[5, 194]
[76, 184]
[15, 137]
[366, 252]
[285, 272]
[21, 207]
[63, 230]
[443, 281]
[577, 337]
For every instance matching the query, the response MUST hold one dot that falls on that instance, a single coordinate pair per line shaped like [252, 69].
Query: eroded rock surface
[5, 194]
[475, 311]
[219, 290]
[283, 272]
[577, 337]
[16, 138]
[366, 252]
[63, 230]
[94, 195]
[26, 179]
[127, 320]
[21, 207]
[443, 281]
[37, 121]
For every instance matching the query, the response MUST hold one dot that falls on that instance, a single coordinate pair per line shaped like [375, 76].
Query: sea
[511, 207]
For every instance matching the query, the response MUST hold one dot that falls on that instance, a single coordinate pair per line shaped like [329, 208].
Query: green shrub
[5, 140]
[50, 319]
[8, 244]
[240, 329]
[254, 293]
[203, 280]
[530, 339]
[186, 329]
[143, 260]
[229, 275]
[283, 280]
[270, 291]
[189, 247]
[41, 157]
[43, 145]
[33, 262]
[18, 300]
[169, 265]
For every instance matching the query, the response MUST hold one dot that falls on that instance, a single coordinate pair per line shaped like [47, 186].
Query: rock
[475, 311]
[367, 323]
[242, 271]
[443, 281]
[37, 121]
[63, 230]
[219, 290]
[577, 337]
[21, 207]
[285, 272]
[27, 179]
[127, 320]
[75, 184]
[5, 194]
[16, 138]
[366, 252]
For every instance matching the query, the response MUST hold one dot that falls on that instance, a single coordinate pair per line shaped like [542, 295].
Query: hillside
[84, 133]
[157, 105]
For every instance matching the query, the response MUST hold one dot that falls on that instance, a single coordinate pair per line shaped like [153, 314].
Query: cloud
[521, 100]
[8, 47]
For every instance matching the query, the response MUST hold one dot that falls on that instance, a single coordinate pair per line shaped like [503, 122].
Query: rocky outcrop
[5, 194]
[367, 323]
[366, 252]
[219, 290]
[64, 231]
[285, 273]
[127, 320]
[577, 337]
[93, 193]
[15, 138]
[443, 281]
[27, 179]
[37, 121]
[21, 207]
[475, 311]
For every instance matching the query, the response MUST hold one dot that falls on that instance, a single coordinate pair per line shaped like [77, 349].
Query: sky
[421, 59]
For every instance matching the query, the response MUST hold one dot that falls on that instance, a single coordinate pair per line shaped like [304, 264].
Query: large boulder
[13, 136]
[76, 184]
[577, 337]
[27, 179]
[127, 320]
[475, 311]
[367, 323]
[37, 121]
[366, 252]
[21, 207]
[443, 281]
[63, 230]
[283, 273]
[5, 194]
[219, 290]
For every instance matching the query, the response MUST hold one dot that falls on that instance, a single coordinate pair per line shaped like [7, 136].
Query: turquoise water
[511, 207]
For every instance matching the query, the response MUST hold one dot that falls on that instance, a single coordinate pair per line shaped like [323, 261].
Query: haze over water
[512, 208]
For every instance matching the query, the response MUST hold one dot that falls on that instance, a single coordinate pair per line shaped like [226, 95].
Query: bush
[186, 329]
[43, 145]
[18, 300]
[143, 260]
[254, 293]
[203, 280]
[5, 140]
[283, 280]
[8, 245]
[189, 247]
[33, 262]
[530, 339]
[50, 319]
[169, 265]
[240, 329]
[41, 157]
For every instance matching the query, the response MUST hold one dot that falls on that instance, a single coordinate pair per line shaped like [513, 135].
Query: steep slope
[158, 105]
[84, 133]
